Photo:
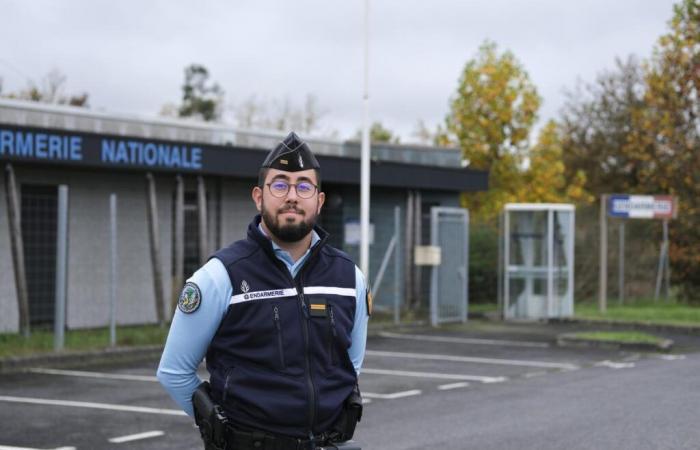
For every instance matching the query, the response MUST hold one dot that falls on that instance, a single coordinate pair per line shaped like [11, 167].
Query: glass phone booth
[537, 261]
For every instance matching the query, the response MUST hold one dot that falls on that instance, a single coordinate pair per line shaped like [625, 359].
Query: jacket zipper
[280, 347]
[333, 337]
[307, 359]
[305, 328]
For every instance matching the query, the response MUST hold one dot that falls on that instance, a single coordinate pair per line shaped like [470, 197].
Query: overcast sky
[130, 55]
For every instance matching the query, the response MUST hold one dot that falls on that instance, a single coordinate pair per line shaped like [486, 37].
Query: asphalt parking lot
[500, 387]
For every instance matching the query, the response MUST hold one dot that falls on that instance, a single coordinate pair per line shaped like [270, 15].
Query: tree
[51, 90]
[379, 133]
[282, 115]
[199, 98]
[596, 123]
[427, 136]
[546, 180]
[490, 119]
[638, 131]
[665, 139]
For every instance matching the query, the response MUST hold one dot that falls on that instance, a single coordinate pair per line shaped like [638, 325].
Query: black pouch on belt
[344, 428]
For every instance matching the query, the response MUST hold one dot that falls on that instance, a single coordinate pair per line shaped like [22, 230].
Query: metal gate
[448, 288]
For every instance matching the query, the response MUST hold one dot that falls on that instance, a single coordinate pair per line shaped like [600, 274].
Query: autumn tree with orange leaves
[637, 130]
[665, 140]
[490, 119]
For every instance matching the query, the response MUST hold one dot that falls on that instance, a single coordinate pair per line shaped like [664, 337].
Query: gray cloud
[130, 55]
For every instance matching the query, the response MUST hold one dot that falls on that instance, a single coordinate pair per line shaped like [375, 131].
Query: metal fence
[393, 273]
[632, 266]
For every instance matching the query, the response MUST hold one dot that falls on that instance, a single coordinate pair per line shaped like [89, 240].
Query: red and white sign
[642, 206]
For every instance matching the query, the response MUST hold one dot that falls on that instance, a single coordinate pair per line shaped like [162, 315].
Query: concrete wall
[9, 319]
[89, 247]
[237, 209]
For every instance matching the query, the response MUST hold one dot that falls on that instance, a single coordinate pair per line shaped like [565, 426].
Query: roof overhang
[48, 146]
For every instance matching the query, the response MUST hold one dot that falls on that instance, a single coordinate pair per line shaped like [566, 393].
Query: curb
[16, 364]
[648, 326]
[571, 340]
[109, 355]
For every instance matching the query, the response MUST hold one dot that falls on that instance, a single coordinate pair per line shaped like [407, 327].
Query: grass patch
[661, 312]
[483, 307]
[631, 337]
[41, 341]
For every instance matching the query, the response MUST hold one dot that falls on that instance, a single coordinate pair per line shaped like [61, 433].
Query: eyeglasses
[281, 188]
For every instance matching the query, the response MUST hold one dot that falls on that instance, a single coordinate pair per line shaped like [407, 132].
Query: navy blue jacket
[279, 360]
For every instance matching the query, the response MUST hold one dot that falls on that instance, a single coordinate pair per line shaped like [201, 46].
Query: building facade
[215, 166]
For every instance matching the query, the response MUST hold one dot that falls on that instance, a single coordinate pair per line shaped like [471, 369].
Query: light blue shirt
[190, 334]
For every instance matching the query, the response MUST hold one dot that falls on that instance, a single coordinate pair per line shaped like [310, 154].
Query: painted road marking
[393, 396]
[447, 387]
[614, 365]
[107, 406]
[81, 373]
[442, 376]
[439, 376]
[534, 374]
[671, 357]
[471, 359]
[136, 437]
[456, 340]
[8, 447]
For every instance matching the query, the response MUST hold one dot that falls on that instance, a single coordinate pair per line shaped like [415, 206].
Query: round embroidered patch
[190, 298]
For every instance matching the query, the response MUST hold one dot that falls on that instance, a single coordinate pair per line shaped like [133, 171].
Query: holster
[210, 418]
[344, 428]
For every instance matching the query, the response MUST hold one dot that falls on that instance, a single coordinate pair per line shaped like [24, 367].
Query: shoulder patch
[368, 299]
[190, 298]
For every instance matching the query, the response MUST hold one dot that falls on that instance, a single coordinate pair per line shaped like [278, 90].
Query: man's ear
[321, 200]
[257, 195]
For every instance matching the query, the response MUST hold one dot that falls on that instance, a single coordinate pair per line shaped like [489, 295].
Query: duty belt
[238, 439]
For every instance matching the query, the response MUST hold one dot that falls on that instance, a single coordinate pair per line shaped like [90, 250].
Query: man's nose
[292, 193]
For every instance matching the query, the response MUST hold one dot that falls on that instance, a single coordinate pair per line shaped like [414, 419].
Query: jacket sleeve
[359, 329]
[191, 333]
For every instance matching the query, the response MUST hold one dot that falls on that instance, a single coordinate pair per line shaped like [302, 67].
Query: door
[449, 284]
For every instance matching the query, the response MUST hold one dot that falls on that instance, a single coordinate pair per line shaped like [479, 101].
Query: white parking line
[614, 365]
[671, 357]
[8, 447]
[534, 374]
[456, 340]
[447, 387]
[107, 406]
[393, 396]
[136, 437]
[439, 376]
[81, 373]
[471, 359]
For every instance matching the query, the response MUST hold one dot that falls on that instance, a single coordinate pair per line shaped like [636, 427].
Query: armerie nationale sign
[642, 206]
[48, 146]
[78, 149]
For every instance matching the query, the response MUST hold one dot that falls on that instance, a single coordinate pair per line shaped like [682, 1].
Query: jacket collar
[264, 242]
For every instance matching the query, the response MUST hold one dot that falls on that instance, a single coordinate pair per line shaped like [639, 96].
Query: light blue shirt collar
[284, 255]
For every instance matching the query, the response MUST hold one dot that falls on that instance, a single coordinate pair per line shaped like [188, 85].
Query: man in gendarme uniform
[282, 319]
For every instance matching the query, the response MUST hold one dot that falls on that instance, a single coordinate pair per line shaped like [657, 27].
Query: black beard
[287, 232]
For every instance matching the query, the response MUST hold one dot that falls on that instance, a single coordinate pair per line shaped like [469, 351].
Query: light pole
[364, 161]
